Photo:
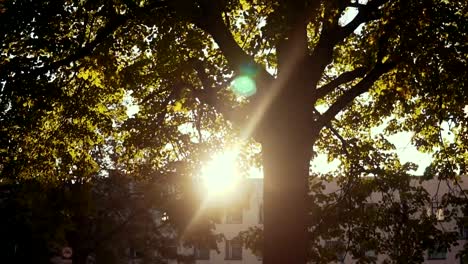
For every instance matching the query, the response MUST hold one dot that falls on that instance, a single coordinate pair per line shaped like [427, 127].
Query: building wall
[251, 217]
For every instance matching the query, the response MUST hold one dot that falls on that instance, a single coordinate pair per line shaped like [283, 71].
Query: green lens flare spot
[248, 70]
[243, 86]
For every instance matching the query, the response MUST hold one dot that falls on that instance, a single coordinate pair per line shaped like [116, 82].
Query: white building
[235, 221]
[231, 223]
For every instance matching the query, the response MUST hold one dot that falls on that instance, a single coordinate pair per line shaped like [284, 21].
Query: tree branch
[292, 44]
[102, 34]
[344, 143]
[87, 49]
[356, 5]
[342, 79]
[207, 83]
[363, 86]
[208, 97]
[332, 34]
[365, 15]
[211, 21]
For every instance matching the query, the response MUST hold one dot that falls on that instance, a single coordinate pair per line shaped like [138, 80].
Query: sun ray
[219, 179]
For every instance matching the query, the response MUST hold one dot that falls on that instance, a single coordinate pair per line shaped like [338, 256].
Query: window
[260, 214]
[370, 207]
[370, 253]
[233, 249]
[216, 215]
[234, 216]
[463, 231]
[134, 254]
[464, 259]
[338, 247]
[170, 250]
[437, 252]
[202, 253]
[437, 211]
[463, 228]
[440, 214]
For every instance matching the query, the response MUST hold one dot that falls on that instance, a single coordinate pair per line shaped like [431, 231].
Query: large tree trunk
[287, 150]
[285, 203]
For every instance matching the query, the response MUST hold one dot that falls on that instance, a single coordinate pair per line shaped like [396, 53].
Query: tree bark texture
[285, 204]
[287, 151]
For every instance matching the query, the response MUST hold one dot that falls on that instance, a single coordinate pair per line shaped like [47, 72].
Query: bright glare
[320, 164]
[221, 175]
[132, 110]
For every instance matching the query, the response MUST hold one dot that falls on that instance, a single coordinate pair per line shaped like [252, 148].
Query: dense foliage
[139, 89]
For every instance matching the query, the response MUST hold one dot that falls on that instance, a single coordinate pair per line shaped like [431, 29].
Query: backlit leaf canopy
[70, 69]
[67, 66]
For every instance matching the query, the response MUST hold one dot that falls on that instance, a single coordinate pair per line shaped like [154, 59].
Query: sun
[221, 174]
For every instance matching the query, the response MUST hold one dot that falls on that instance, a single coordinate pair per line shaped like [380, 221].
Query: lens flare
[244, 86]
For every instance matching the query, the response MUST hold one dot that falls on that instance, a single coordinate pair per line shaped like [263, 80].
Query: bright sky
[402, 141]
[404, 149]
[129, 103]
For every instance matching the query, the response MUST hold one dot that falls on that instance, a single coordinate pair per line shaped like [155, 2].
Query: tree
[323, 78]
[110, 220]
[397, 223]
[64, 127]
